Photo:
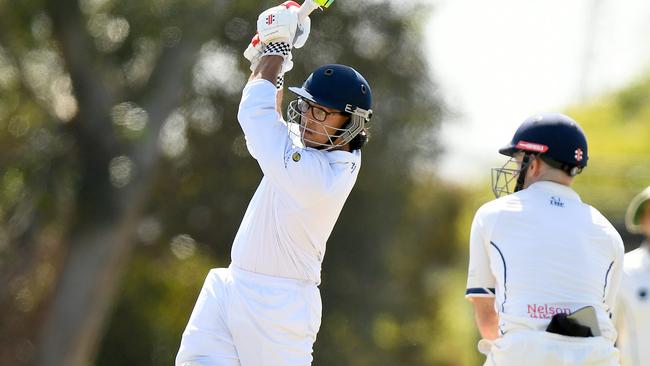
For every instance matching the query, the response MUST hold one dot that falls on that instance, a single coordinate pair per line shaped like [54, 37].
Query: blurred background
[124, 173]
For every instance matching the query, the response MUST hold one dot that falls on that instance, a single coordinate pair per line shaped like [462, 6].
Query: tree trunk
[102, 239]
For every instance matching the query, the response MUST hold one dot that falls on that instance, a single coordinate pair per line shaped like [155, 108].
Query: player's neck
[552, 175]
[345, 147]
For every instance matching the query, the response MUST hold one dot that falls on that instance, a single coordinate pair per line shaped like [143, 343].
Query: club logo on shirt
[545, 311]
[296, 157]
[556, 201]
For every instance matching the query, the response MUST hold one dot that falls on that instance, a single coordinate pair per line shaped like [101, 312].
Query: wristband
[277, 49]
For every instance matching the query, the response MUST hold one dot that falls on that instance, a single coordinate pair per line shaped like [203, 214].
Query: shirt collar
[645, 245]
[340, 156]
[555, 189]
[334, 156]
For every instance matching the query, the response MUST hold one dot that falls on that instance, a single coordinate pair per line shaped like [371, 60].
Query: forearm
[278, 101]
[486, 317]
[268, 68]
[488, 325]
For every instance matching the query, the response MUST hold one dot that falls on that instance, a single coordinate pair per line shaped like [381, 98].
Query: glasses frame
[302, 102]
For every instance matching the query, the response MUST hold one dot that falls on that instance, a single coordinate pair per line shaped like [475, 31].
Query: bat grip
[307, 8]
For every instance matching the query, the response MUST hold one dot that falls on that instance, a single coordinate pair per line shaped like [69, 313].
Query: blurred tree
[87, 89]
[618, 130]
[119, 128]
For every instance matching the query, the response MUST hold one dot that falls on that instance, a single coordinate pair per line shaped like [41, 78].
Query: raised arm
[268, 68]
[299, 172]
[270, 55]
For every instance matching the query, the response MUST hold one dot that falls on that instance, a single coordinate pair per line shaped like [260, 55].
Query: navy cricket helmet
[337, 87]
[555, 137]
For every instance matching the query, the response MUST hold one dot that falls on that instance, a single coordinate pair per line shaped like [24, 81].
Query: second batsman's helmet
[555, 138]
[338, 87]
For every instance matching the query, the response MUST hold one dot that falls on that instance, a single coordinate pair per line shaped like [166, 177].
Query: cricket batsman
[633, 310]
[544, 267]
[265, 308]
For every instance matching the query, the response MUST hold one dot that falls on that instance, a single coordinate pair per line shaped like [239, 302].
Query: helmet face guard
[341, 137]
[509, 178]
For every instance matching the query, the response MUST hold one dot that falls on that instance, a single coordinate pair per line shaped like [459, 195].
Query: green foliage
[156, 301]
[80, 100]
[618, 131]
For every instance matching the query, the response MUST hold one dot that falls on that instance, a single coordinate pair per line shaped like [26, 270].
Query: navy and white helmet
[555, 138]
[337, 87]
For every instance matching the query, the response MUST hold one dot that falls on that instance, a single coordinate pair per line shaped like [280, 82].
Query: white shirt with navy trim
[632, 315]
[293, 212]
[542, 251]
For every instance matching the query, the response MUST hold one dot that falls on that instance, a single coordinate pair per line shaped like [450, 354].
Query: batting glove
[256, 47]
[304, 27]
[277, 24]
[255, 50]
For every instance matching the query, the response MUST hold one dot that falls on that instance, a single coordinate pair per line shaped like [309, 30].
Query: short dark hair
[359, 140]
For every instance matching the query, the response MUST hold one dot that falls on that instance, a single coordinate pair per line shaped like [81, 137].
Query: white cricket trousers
[248, 319]
[539, 348]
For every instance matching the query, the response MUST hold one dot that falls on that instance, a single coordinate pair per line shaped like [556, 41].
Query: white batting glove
[279, 30]
[281, 24]
[256, 47]
[304, 27]
[278, 25]
[255, 50]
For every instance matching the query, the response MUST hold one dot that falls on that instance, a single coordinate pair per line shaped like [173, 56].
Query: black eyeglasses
[318, 113]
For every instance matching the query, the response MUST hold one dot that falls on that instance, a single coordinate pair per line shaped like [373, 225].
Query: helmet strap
[343, 129]
[521, 178]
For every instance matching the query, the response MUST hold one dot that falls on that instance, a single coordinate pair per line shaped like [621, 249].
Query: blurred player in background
[265, 308]
[544, 267]
[633, 310]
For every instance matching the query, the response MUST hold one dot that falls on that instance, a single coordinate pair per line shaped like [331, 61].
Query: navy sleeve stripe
[606, 278]
[480, 290]
[505, 278]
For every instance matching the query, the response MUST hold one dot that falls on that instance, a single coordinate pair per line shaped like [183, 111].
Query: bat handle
[307, 8]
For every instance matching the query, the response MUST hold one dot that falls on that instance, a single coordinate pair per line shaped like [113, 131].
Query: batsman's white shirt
[542, 251]
[294, 209]
[633, 310]
[265, 309]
